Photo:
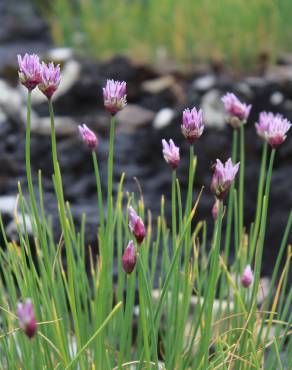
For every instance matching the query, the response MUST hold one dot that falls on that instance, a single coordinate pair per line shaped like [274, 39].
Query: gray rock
[157, 85]
[10, 102]
[244, 89]
[65, 126]
[214, 114]
[163, 118]
[133, 117]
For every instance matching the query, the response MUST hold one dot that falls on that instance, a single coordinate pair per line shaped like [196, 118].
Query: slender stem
[260, 243]
[97, 332]
[105, 290]
[110, 171]
[173, 210]
[99, 192]
[28, 163]
[64, 225]
[144, 288]
[190, 182]
[259, 200]
[209, 299]
[230, 201]
[241, 183]
[189, 202]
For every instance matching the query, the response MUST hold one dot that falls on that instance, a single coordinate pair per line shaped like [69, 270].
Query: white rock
[10, 100]
[163, 118]
[7, 204]
[60, 54]
[11, 228]
[204, 83]
[276, 98]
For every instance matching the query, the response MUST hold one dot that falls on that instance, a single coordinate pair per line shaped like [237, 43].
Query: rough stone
[133, 117]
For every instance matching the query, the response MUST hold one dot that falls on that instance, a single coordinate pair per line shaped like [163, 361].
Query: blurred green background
[233, 31]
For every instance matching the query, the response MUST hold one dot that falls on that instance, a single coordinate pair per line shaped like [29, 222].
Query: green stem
[202, 357]
[230, 201]
[106, 321]
[259, 199]
[173, 210]
[259, 251]
[241, 184]
[64, 225]
[110, 172]
[99, 192]
[105, 288]
[28, 163]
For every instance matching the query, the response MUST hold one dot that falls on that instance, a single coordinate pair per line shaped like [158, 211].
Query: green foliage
[199, 316]
[235, 31]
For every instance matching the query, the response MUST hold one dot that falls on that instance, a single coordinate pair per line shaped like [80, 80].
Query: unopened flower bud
[88, 136]
[26, 317]
[238, 112]
[129, 258]
[170, 153]
[247, 277]
[136, 225]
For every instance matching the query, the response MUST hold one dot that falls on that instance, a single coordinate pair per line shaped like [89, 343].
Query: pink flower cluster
[238, 112]
[272, 128]
[223, 177]
[114, 96]
[192, 126]
[32, 73]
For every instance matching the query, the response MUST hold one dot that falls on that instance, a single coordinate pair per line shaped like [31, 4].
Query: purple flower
[247, 277]
[223, 177]
[272, 128]
[192, 126]
[26, 317]
[88, 136]
[50, 79]
[237, 111]
[29, 70]
[129, 258]
[170, 153]
[136, 225]
[114, 96]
